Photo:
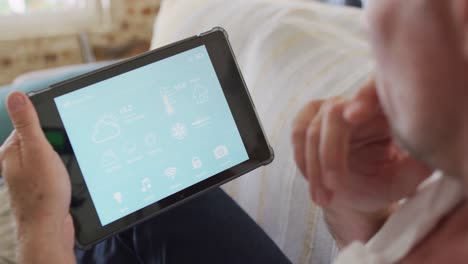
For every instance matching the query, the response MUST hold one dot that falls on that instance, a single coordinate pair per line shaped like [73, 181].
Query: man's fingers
[301, 124]
[334, 145]
[364, 106]
[319, 193]
[24, 117]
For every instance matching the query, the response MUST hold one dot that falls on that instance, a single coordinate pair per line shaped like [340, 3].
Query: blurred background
[42, 34]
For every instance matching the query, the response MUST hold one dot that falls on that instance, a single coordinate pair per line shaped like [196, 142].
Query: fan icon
[179, 131]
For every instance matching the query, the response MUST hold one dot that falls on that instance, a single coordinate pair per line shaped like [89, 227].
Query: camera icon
[220, 152]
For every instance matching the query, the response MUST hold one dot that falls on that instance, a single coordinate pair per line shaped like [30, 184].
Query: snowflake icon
[179, 131]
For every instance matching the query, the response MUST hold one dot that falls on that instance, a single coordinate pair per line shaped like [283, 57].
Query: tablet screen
[146, 134]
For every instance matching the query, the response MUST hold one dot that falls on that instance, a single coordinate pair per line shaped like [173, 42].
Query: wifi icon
[171, 173]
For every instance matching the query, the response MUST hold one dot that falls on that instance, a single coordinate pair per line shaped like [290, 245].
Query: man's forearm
[346, 226]
[43, 247]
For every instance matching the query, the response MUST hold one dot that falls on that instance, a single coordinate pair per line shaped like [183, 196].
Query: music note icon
[145, 185]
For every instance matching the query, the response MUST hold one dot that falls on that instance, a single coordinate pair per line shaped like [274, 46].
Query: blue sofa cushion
[35, 85]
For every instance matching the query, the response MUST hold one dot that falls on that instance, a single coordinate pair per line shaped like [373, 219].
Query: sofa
[290, 52]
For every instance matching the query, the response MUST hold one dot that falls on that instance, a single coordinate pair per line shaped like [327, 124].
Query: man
[362, 155]
[345, 148]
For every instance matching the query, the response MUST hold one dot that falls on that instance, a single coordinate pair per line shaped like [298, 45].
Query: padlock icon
[196, 163]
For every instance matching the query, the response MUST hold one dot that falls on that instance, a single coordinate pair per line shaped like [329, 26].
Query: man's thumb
[23, 116]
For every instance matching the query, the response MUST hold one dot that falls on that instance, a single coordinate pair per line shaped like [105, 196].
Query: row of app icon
[219, 152]
[110, 159]
[108, 128]
[171, 172]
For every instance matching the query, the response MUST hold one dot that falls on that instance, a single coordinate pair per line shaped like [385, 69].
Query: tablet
[144, 135]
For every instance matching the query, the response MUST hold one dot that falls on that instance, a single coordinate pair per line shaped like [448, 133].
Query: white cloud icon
[107, 128]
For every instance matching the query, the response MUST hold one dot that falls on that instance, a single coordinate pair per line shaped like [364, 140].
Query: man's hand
[39, 188]
[345, 149]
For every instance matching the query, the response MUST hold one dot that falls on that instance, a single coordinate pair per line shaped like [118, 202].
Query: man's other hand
[345, 149]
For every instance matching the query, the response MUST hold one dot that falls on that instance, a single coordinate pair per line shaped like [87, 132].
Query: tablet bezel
[88, 229]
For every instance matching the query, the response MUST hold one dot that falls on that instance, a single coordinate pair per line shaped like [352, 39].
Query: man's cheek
[384, 96]
[384, 19]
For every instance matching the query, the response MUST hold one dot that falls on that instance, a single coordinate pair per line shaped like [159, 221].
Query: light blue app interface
[144, 135]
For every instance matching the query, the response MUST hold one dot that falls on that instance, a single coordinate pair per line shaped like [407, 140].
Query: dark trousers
[211, 228]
